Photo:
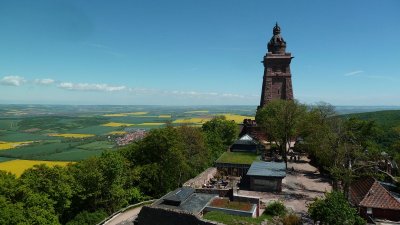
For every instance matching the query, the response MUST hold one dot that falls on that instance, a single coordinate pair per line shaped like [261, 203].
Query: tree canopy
[282, 122]
[334, 209]
[87, 191]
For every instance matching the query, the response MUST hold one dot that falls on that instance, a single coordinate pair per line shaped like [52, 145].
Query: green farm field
[74, 133]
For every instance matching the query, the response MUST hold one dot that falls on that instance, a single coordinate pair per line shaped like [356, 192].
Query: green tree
[195, 150]
[38, 209]
[8, 185]
[11, 213]
[346, 147]
[334, 209]
[101, 183]
[160, 161]
[88, 218]
[282, 121]
[219, 134]
[54, 182]
[226, 130]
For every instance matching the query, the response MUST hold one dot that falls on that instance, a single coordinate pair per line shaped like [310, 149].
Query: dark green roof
[185, 199]
[267, 169]
[178, 196]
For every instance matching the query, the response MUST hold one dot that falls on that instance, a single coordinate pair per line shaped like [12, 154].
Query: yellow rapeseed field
[192, 120]
[18, 166]
[201, 120]
[10, 145]
[136, 113]
[125, 114]
[237, 118]
[67, 135]
[117, 132]
[114, 124]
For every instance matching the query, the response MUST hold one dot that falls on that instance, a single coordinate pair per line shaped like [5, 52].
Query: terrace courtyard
[298, 188]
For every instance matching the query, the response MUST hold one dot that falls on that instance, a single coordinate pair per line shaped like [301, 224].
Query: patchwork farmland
[34, 134]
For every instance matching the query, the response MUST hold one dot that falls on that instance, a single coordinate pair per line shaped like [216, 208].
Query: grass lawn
[238, 157]
[234, 220]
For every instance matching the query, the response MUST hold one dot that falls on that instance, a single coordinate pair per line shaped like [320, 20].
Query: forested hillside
[386, 119]
[387, 126]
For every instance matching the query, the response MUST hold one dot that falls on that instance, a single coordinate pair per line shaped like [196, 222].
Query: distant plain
[72, 133]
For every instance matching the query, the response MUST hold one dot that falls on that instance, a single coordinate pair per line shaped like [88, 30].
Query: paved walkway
[125, 218]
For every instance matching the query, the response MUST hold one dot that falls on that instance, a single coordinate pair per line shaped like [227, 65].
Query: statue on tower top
[277, 45]
[277, 29]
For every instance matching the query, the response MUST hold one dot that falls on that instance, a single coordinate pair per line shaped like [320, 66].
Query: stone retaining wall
[220, 192]
[202, 178]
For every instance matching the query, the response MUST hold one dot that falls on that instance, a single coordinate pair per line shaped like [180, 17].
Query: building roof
[238, 158]
[185, 199]
[178, 196]
[245, 140]
[267, 169]
[368, 192]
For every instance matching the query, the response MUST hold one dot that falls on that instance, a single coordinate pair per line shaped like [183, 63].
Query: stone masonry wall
[202, 178]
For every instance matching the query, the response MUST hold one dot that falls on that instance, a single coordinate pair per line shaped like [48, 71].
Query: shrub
[291, 219]
[334, 209]
[86, 217]
[275, 208]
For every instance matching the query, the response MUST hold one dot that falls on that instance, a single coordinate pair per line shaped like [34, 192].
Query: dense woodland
[344, 147]
[88, 191]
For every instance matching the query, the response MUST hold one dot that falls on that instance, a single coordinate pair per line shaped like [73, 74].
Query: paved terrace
[298, 188]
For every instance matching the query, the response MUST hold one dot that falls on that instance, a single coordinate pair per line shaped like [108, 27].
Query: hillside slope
[386, 119]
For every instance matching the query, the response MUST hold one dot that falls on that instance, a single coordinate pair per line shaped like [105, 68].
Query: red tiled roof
[368, 192]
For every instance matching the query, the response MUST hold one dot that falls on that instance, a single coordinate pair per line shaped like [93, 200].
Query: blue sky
[192, 52]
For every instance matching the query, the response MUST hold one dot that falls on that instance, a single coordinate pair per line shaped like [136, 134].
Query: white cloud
[18, 81]
[353, 73]
[45, 81]
[89, 87]
[12, 80]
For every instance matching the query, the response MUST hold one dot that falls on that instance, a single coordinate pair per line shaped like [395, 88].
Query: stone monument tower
[277, 80]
